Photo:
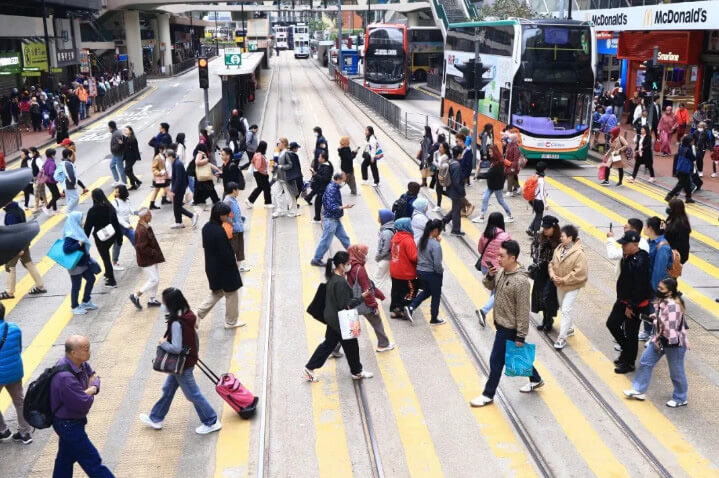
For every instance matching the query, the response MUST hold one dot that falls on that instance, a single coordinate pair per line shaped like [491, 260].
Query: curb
[97, 117]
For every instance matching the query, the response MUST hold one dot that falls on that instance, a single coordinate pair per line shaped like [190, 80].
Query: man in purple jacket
[72, 393]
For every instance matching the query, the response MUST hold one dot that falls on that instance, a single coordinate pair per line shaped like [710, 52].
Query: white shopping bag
[350, 325]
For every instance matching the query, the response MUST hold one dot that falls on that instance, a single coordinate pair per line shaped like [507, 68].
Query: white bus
[301, 40]
[280, 37]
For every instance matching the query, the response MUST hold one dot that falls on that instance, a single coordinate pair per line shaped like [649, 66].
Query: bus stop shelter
[239, 80]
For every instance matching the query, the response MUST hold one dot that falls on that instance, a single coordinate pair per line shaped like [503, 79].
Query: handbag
[350, 325]
[317, 307]
[170, 363]
[518, 361]
[615, 157]
[204, 172]
[362, 309]
[57, 254]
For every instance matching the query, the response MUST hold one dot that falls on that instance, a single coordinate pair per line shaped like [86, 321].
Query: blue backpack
[60, 175]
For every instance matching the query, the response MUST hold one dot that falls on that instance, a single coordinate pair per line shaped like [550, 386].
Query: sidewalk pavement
[708, 195]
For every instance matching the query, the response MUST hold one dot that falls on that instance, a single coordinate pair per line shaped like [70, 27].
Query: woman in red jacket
[402, 267]
[358, 274]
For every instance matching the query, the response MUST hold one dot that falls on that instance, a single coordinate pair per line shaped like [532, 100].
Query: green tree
[317, 25]
[503, 9]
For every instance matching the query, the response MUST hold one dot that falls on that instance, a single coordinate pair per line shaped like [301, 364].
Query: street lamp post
[50, 76]
[340, 60]
[217, 32]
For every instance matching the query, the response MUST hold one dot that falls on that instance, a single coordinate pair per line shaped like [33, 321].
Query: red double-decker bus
[386, 66]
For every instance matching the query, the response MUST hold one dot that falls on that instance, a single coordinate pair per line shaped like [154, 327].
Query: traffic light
[474, 78]
[653, 77]
[15, 238]
[203, 72]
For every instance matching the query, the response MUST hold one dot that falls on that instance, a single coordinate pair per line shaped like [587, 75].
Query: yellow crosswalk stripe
[690, 292]
[232, 451]
[333, 457]
[416, 440]
[585, 439]
[492, 424]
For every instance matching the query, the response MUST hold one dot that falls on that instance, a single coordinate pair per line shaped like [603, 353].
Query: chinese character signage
[34, 56]
[84, 61]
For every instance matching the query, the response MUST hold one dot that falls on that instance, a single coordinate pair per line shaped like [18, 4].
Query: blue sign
[608, 46]
[124, 57]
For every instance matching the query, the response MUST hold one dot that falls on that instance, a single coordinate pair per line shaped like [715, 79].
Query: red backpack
[530, 187]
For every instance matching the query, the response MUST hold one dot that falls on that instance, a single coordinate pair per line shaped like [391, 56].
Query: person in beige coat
[616, 157]
[569, 271]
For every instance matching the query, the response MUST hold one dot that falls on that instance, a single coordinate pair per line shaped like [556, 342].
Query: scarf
[358, 254]
[420, 204]
[403, 224]
[385, 216]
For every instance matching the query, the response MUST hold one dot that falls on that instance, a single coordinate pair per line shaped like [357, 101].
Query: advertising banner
[10, 63]
[34, 56]
[85, 61]
[703, 15]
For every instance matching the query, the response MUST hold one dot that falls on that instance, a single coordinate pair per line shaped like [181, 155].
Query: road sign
[252, 45]
[233, 57]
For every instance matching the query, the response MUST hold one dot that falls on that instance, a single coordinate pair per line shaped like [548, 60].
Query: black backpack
[400, 206]
[36, 406]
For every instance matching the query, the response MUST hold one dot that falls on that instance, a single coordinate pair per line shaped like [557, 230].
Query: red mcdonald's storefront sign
[680, 47]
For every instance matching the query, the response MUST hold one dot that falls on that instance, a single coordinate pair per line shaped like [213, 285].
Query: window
[429, 35]
[547, 112]
[496, 40]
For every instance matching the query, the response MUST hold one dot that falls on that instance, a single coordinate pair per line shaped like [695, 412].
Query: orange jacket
[403, 262]
[682, 116]
[82, 94]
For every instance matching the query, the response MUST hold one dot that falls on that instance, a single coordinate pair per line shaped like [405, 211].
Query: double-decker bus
[426, 51]
[538, 77]
[386, 59]
[281, 36]
[301, 40]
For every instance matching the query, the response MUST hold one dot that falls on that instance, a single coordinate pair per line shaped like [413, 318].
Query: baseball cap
[66, 142]
[294, 145]
[549, 221]
[629, 236]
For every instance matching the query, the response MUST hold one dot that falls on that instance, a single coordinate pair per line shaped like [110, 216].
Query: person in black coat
[645, 153]
[678, 229]
[456, 193]
[178, 187]
[100, 215]
[130, 156]
[320, 180]
[220, 267]
[347, 157]
[230, 171]
[634, 294]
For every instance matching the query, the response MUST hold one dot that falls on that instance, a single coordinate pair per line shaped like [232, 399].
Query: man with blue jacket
[332, 225]
[11, 373]
[660, 260]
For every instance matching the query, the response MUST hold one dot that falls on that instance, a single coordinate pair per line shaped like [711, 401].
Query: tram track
[576, 372]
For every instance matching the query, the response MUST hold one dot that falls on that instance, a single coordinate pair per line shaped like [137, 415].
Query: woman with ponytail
[669, 339]
[339, 297]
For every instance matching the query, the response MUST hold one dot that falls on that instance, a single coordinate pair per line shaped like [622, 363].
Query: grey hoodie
[419, 222]
[386, 232]
[430, 259]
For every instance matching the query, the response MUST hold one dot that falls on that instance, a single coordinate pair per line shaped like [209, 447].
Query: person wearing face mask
[660, 260]
[701, 142]
[670, 339]
[370, 155]
[332, 221]
[339, 297]
[181, 332]
[149, 255]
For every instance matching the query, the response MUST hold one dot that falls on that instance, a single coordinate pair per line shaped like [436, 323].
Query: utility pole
[475, 105]
[340, 60]
[244, 32]
[217, 32]
[50, 75]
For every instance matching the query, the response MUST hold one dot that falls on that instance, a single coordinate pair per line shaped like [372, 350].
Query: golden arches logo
[648, 18]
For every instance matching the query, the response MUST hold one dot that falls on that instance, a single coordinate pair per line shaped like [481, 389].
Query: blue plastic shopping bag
[68, 261]
[518, 361]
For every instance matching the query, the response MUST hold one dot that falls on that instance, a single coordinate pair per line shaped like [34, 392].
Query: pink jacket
[491, 247]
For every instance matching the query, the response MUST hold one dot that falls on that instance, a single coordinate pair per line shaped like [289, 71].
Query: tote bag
[350, 325]
[518, 361]
[57, 254]
[170, 363]
[204, 172]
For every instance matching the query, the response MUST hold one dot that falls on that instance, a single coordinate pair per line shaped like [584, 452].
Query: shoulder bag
[362, 309]
[167, 362]
[68, 261]
[107, 232]
[204, 172]
[317, 307]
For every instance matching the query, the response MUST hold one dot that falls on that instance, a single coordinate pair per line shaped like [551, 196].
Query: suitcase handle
[208, 371]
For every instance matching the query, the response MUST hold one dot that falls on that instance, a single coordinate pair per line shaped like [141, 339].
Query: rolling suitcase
[232, 391]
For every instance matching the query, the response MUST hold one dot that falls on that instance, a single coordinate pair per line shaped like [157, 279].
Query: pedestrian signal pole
[475, 106]
[204, 75]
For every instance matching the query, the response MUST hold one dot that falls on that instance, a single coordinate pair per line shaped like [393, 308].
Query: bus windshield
[557, 54]
[385, 56]
[547, 112]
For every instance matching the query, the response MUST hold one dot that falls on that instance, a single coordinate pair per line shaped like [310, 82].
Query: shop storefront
[678, 51]
[610, 69]
[710, 60]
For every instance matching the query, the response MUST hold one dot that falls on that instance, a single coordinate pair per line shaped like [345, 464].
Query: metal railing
[381, 105]
[119, 93]
[176, 68]
[10, 139]
[434, 81]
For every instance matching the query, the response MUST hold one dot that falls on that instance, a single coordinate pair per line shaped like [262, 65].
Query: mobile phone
[610, 227]
[490, 265]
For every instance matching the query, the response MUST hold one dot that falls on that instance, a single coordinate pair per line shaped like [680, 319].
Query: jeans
[500, 199]
[538, 207]
[675, 359]
[117, 168]
[72, 199]
[129, 233]
[496, 361]
[186, 381]
[76, 281]
[75, 446]
[82, 110]
[323, 351]
[15, 391]
[566, 302]
[489, 305]
[331, 227]
[191, 182]
[431, 285]
[626, 337]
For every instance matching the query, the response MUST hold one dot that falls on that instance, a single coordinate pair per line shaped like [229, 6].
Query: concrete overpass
[182, 6]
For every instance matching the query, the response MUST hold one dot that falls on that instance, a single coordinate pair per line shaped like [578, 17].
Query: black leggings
[434, 184]
[649, 166]
[131, 174]
[318, 205]
[103, 247]
[263, 186]
[28, 191]
[700, 161]
[204, 190]
[55, 196]
[367, 161]
[538, 208]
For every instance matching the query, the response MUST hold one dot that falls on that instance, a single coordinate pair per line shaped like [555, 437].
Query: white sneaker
[244, 268]
[617, 347]
[235, 325]
[391, 346]
[205, 429]
[117, 267]
[249, 204]
[701, 175]
[309, 375]
[195, 218]
[481, 401]
[480, 219]
[509, 219]
[277, 214]
[178, 226]
[437, 209]
[676, 403]
[714, 175]
[634, 394]
[269, 206]
[559, 344]
[144, 418]
[362, 375]
[530, 386]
